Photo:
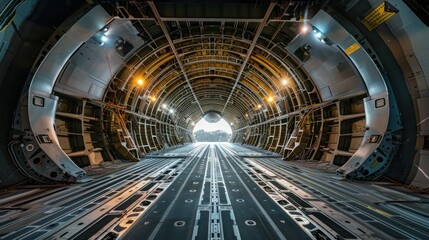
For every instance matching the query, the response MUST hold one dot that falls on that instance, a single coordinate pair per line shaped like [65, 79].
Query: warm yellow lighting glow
[270, 99]
[153, 99]
[258, 106]
[140, 82]
[304, 29]
[284, 82]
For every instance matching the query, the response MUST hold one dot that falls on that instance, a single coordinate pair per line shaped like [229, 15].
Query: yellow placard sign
[352, 48]
[379, 15]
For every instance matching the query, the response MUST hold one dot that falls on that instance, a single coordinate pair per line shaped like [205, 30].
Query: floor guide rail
[77, 211]
[214, 191]
[288, 223]
[357, 205]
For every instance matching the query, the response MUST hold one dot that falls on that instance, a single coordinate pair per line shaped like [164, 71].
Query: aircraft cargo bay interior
[227, 119]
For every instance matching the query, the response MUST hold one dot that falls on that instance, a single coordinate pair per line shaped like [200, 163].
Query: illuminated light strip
[352, 48]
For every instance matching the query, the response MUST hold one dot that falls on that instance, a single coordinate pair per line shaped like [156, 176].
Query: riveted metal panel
[378, 146]
[42, 106]
[89, 71]
[332, 73]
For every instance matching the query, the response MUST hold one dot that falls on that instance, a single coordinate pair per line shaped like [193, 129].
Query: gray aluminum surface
[42, 118]
[376, 119]
[150, 199]
[332, 73]
[89, 71]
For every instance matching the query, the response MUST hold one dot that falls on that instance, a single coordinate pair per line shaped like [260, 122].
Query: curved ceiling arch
[258, 77]
[283, 90]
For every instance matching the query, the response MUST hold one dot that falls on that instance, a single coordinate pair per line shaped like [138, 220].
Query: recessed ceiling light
[104, 38]
[304, 29]
[284, 82]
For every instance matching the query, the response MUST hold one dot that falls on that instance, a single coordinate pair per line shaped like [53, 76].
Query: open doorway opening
[205, 131]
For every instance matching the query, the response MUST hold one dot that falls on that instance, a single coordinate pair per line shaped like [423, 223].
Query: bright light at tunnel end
[221, 125]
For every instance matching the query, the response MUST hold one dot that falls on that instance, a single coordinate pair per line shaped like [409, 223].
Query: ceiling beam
[289, 114]
[112, 107]
[249, 52]
[190, 19]
[173, 48]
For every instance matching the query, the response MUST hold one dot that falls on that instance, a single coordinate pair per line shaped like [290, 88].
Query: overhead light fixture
[100, 38]
[164, 106]
[171, 110]
[319, 35]
[140, 82]
[304, 29]
[284, 82]
[258, 106]
[104, 38]
[270, 99]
